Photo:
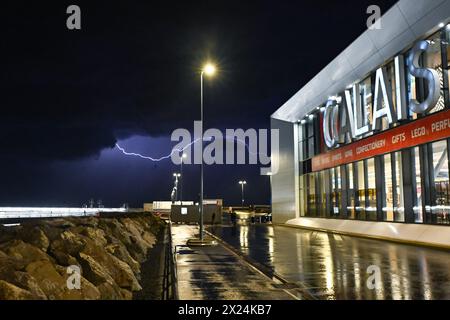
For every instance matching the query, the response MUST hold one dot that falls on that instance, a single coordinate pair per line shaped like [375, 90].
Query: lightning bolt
[155, 159]
[175, 150]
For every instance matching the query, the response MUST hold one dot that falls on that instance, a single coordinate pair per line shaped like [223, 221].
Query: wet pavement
[332, 266]
[215, 273]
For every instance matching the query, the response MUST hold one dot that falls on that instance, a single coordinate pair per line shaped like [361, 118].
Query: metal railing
[170, 288]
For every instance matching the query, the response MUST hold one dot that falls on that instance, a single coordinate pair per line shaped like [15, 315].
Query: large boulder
[62, 223]
[118, 250]
[85, 221]
[54, 283]
[126, 294]
[124, 276]
[9, 291]
[51, 232]
[94, 271]
[68, 242]
[9, 233]
[150, 238]
[49, 280]
[63, 258]
[97, 257]
[94, 234]
[87, 292]
[151, 223]
[131, 235]
[28, 283]
[110, 291]
[36, 237]
[23, 251]
[133, 226]
[9, 264]
[115, 230]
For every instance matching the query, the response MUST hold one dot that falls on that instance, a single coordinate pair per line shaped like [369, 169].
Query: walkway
[215, 273]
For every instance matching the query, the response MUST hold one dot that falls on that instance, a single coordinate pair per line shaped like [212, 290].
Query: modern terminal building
[364, 146]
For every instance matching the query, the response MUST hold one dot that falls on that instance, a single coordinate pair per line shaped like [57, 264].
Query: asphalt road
[339, 267]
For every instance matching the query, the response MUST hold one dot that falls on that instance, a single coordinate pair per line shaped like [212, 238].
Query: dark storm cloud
[133, 68]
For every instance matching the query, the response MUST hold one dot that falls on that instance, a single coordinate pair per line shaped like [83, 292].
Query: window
[301, 142]
[371, 200]
[311, 185]
[393, 207]
[418, 196]
[351, 193]
[447, 63]
[361, 203]
[324, 189]
[399, 204]
[308, 138]
[336, 191]
[441, 207]
[388, 208]
[303, 196]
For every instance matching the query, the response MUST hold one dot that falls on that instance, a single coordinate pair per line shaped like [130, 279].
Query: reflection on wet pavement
[214, 273]
[336, 267]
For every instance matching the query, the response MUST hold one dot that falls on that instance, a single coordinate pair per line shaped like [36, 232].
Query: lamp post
[176, 176]
[270, 174]
[184, 156]
[242, 183]
[208, 70]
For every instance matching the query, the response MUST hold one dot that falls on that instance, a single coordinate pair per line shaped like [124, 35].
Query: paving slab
[215, 273]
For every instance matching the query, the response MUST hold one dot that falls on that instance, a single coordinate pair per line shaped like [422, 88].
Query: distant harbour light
[53, 212]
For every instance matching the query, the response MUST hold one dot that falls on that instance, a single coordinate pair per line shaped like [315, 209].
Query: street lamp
[176, 176]
[242, 183]
[209, 70]
[270, 175]
[183, 156]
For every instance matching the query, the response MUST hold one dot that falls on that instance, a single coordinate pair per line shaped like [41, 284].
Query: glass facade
[375, 189]
[440, 209]
[407, 186]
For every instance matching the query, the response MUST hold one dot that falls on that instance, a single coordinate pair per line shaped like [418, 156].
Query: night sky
[131, 75]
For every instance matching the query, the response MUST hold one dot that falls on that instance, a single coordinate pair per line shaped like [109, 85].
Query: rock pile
[35, 258]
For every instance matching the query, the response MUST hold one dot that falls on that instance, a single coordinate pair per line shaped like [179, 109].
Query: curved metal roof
[401, 26]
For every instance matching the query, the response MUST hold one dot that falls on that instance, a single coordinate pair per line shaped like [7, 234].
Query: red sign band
[431, 128]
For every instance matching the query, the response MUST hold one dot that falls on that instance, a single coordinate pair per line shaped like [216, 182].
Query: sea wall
[37, 258]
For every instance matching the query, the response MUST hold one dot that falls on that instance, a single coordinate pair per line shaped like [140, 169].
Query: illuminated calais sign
[352, 121]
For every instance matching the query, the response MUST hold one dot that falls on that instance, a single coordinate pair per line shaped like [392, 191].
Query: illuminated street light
[242, 183]
[270, 175]
[209, 70]
[183, 156]
[175, 188]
